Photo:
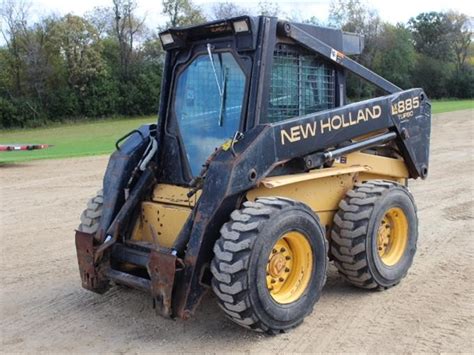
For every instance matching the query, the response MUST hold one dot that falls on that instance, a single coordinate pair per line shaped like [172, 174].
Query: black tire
[90, 217]
[354, 234]
[241, 258]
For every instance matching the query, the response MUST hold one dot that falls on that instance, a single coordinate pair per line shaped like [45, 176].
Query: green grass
[440, 106]
[94, 138]
[69, 140]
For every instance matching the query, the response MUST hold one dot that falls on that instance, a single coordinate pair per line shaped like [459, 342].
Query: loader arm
[305, 39]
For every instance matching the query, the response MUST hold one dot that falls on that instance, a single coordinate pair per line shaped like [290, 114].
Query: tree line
[433, 50]
[108, 62]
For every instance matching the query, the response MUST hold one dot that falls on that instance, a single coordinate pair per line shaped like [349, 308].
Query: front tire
[90, 217]
[270, 264]
[374, 235]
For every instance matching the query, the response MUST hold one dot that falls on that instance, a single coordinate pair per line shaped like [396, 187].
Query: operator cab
[214, 85]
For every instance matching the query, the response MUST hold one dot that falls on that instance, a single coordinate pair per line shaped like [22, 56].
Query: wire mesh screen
[301, 83]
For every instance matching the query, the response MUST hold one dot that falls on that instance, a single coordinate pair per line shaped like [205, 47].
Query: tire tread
[90, 217]
[230, 279]
[348, 235]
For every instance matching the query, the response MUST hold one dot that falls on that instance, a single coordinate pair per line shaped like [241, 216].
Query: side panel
[175, 195]
[160, 220]
[377, 164]
[323, 193]
[159, 223]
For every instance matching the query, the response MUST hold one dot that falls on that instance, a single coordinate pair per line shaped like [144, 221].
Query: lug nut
[282, 250]
[287, 269]
[288, 257]
[281, 279]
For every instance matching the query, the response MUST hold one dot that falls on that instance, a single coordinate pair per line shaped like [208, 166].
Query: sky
[389, 10]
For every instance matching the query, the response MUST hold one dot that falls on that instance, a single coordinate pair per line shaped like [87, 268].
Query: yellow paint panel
[323, 189]
[165, 221]
[369, 176]
[379, 165]
[321, 195]
[374, 166]
[175, 195]
[276, 181]
[326, 217]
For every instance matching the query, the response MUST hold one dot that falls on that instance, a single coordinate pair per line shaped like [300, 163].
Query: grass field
[69, 140]
[440, 106]
[94, 138]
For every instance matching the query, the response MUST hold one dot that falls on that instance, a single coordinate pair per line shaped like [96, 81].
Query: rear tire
[270, 264]
[90, 218]
[374, 235]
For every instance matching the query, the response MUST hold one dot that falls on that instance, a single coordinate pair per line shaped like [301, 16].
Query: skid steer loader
[256, 174]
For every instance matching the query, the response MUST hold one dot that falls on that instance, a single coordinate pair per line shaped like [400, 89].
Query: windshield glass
[208, 104]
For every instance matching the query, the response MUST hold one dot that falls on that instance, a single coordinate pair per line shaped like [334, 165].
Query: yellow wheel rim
[392, 236]
[289, 267]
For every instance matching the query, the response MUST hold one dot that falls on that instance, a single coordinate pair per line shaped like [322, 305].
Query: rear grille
[301, 83]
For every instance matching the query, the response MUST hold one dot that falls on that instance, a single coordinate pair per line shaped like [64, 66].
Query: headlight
[240, 26]
[166, 39]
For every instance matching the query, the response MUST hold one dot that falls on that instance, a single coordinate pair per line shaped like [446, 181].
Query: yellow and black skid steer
[257, 174]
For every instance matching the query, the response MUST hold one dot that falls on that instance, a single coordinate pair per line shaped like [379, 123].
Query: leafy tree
[14, 15]
[460, 37]
[432, 75]
[43, 66]
[152, 51]
[5, 77]
[101, 18]
[443, 40]
[227, 9]
[461, 84]
[356, 16]
[431, 33]
[79, 42]
[127, 26]
[313, 20]
[394, 54]
[268, 8]
[107, 62]
[182, 13]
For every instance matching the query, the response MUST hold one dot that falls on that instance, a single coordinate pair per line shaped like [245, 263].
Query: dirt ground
[43, 307]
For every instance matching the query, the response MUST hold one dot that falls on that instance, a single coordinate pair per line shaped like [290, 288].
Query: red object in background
[12, 147]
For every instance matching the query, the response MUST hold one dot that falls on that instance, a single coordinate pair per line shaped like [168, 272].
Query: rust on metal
[92, 277]
[162, 270]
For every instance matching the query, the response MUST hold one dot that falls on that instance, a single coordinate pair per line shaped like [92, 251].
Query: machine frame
[335, 146]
